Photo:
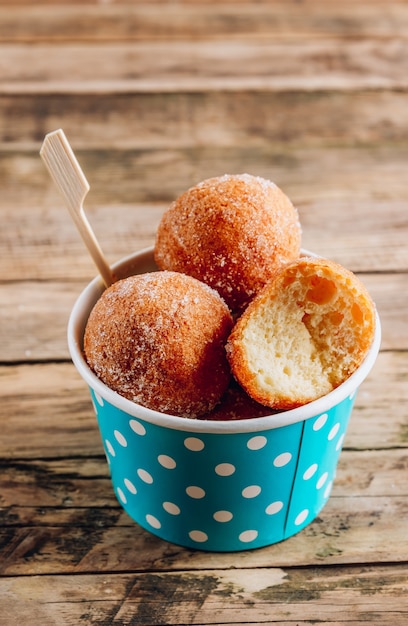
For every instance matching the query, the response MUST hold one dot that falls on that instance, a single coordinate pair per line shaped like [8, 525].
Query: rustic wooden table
[154, 97]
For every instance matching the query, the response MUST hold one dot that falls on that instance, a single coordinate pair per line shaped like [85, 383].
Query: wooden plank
[46, 411]
[333, 175]
[253, 117]
[54, 249]
[339, 596]
[324, 184]
[34, 315]
[318, 63]
[41, 492]
[51, 492]
[33, 320]
[57, 254]
[120, 21]
[374, 410]
[160, 3]
[156, 96]
[349, 530]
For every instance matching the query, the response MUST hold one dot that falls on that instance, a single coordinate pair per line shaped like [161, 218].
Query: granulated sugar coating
[232, 232]
[158, 339]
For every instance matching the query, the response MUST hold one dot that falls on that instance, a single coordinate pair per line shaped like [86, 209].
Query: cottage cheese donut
[158, 339]
[304, 335]
[232, 232]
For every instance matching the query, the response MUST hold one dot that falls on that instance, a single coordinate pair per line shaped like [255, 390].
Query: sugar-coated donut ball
[231, 232]
[303, 335]
[158, 339]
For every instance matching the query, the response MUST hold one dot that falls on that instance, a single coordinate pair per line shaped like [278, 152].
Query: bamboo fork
[66, 173]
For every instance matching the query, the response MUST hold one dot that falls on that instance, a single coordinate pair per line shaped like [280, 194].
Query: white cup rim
[76, 326]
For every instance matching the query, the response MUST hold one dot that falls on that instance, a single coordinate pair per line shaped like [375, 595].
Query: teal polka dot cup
[216, 485]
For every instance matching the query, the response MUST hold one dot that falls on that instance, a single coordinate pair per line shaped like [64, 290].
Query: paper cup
[216, 485]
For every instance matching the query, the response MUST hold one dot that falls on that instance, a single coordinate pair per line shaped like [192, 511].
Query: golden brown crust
[303, 335]
[158, 339]
[231, 232]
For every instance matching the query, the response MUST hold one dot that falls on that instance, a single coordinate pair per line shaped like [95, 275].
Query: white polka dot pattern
[130, 486]
[248, 535]
[251, 491]
[195, 492]
[256, 443]
[166, 461]
[301, 517]
[220, 491]
[333, 432]
[153, 521]
[274, 507]
[120, 438]
[322, 480]
[98, 399]
[320, 422]
[110, 448]
[223, 516]
[198, 535]
[311, 471]
[121, 495]
[323, 436]
[137, 427]
[224, 469]
[145, 476]
[194, 444]
[282, 459]
[171, 508]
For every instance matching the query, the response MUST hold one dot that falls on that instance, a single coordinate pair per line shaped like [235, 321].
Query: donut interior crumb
[304, 335]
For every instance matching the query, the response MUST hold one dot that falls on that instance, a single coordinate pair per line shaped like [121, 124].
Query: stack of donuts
[236, 323]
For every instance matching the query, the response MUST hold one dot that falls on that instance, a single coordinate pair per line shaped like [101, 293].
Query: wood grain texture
[95, 21]
[62, 516]
[319, 63]
[353, 595]
[46, 410]
[128, 197]
[155, 96]
[31, 332]
[86, 540]
[158, 119]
